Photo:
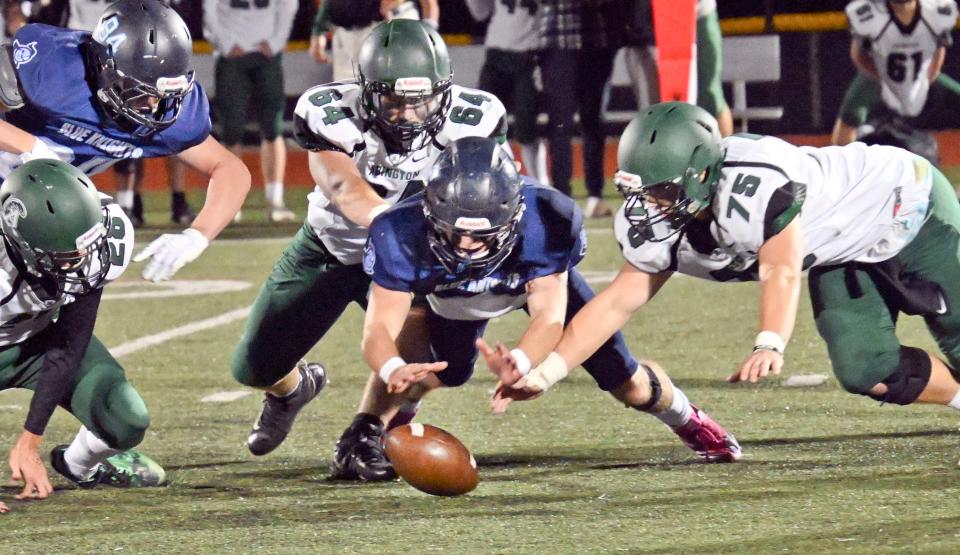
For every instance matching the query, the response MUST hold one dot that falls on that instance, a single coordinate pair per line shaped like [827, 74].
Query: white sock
[125, 199]
[679, 411]
[274, 194]
[955, 402]
[86, 452]
[543, 176]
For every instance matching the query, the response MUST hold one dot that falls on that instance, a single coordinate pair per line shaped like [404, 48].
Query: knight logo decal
[23, 53]
[104, 33]
[13, 210]
[369, 258]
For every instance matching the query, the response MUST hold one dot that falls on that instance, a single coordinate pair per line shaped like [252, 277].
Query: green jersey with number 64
[902, 53]
[856, 203]
[328, 117]
[26, 308]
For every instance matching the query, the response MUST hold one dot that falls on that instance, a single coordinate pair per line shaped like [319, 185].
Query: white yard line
[146, 341]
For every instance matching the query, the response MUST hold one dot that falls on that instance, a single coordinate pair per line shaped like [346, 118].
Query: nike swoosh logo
[415, 160]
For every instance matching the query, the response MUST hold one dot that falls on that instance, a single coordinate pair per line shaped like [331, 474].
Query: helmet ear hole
[50, 208]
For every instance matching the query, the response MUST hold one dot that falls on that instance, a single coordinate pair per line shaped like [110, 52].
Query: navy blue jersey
[551, 239]
[60, 107]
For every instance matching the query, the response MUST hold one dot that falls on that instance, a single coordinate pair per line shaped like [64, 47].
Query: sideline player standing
[126, 92]
[899, 49]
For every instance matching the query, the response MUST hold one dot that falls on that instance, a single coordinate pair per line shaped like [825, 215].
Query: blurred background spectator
[510, 72]
[248, 38]
[349, 21]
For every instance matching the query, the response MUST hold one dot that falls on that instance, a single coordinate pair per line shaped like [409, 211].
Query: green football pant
[860, 331]
[240, 79]
[709, 57]
[102, 400]
[863, 97]
[305, 294]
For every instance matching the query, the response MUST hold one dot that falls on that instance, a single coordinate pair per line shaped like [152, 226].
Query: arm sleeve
[66, 343]
[285, 12]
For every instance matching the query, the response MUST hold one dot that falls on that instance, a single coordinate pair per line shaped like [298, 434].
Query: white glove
[170, 252]
[40, 150]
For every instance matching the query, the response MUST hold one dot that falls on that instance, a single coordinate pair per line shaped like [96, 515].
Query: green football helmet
[51, 218]
[404, 71]
[669, 161]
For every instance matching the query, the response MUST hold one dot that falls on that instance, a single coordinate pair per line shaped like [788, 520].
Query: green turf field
[572, 472]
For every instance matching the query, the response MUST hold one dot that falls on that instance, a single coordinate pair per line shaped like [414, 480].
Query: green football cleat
[131, 469]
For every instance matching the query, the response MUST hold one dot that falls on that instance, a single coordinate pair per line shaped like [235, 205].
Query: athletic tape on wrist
[523, 361]
[389, 367]
[770, 341]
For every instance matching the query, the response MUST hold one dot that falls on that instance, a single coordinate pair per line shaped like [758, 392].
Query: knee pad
[656, 390]
[128, 419]
[908, 380]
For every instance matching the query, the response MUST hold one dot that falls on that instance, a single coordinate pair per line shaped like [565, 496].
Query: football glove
[170, 252]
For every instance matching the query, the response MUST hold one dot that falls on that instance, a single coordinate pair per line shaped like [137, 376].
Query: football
[431, 460]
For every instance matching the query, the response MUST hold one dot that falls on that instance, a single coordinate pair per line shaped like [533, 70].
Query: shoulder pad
[120, 238]
[754, 202]
[472, 113]
[388, 257]
[561, 218]
[866, 17]
[330, 114]
[941, 15]
[10, 96]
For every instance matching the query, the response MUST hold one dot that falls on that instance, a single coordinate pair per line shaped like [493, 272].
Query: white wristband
[523, 361]
[550, 371]
[770, 341]
[390, 367]
[376, 211]
[432, 23]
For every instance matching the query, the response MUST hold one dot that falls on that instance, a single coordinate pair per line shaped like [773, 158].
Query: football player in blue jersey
[125, 92]
[478, 243]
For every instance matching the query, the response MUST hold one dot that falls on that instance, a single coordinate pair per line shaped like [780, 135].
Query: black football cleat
[359, 454]
[277, 415]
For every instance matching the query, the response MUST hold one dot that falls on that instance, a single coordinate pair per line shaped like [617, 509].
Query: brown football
[431, 460]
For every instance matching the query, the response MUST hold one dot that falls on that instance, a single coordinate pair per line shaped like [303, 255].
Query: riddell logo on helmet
[412, 85]
[178, 84]
[90, 237]
[472, 223]
[628, 181]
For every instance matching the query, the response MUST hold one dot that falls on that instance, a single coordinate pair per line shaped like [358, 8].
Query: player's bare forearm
[607, 313]
[780, 268]
[339, 180]
[547, 303]
[228, 186]
[386, 313]
[15, 140]
[936, 65]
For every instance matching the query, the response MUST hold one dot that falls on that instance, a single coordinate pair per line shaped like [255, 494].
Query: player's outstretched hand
[4, 508]
[27, 467]
[170, 252]
[759, 364]
[500, 362]
[409, 374]
[503, 395]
